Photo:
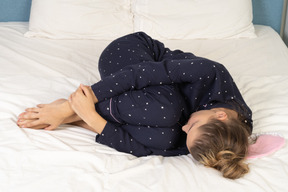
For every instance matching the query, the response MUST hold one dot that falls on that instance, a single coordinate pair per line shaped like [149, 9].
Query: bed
[41, 66]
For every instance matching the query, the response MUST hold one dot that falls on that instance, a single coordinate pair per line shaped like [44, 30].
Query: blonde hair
[223, 146]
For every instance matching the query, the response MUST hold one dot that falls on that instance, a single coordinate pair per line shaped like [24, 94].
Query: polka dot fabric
[148, 91]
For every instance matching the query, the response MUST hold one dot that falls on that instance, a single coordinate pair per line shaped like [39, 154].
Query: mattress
[37, 71]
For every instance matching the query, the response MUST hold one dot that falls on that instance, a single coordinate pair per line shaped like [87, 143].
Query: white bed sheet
[41, 70]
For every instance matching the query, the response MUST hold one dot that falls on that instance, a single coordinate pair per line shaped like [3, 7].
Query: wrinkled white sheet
[41, 70]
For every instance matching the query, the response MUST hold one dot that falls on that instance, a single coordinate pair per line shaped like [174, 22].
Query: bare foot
[23, 122]
[47, 116]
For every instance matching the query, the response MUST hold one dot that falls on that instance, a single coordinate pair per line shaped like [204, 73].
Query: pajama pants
[153, 111]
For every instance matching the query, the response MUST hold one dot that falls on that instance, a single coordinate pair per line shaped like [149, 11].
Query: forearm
[71, 119]
[95, 122]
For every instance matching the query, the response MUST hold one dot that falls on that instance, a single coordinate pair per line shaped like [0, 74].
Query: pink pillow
[265, 145]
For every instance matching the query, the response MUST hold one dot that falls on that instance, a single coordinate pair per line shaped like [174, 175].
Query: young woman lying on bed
[154, 101]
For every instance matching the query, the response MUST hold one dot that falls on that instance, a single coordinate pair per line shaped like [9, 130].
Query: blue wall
[268, 12]
[15, 10]
[285, 38]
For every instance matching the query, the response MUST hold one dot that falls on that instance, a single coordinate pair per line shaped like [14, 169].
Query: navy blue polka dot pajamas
[147, 92]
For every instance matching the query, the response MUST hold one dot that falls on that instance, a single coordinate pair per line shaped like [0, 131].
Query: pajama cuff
[106, 134]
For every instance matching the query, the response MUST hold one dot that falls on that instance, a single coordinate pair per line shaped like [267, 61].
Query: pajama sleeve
[169, 71]
[115, 137]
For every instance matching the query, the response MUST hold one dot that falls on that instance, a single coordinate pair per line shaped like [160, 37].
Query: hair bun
[231, 165]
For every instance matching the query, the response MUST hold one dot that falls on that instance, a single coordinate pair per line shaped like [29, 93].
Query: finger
[31, 115]
[23, 123]
[21, 115]
[81, 85]
[72, 100]
[33, 109]
[41, 105]
[86, 90]
[33, 124]
[79, 88]
[73, 95]
[28, 115]
[79, 92]
[89, 88]
[20, 122]
[50, 128]
[39, 127]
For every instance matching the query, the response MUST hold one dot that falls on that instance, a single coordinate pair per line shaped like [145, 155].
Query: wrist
[96, 122]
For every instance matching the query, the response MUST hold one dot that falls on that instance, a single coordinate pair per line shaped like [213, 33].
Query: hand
[82, 102]
[95, 100]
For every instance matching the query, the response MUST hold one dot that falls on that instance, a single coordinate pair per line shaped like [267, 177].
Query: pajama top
[196, 83]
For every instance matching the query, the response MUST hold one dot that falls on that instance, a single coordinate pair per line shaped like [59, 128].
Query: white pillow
[194, 19]
[80, 19]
